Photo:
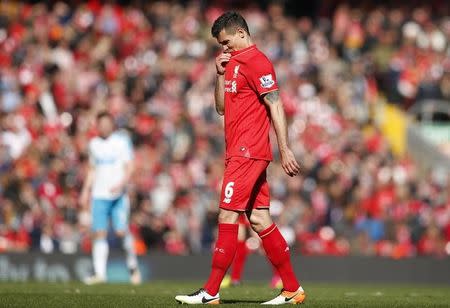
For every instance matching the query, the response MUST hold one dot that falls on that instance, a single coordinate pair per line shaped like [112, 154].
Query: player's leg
[239, 179]
[224, 250]
[277, 252]
[120, 220]
[241, 252]
[274, 244]
[275, 282]
[239, 259]
[100, 248]
[223, 254]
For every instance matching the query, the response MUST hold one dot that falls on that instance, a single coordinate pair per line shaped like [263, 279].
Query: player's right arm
[219, 93]
[87, 186]
[127, 156]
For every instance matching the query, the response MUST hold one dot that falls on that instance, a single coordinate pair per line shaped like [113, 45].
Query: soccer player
[247, 95]
[110, 169]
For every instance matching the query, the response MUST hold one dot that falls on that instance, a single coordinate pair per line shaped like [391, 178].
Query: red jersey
[249, 74]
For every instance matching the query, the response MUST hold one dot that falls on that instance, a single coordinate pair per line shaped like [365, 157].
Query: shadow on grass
[238, 301]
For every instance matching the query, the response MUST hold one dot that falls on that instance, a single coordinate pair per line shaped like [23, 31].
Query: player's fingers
[285, 168]
[296, 164]
[288, 170]
[295, 167]
[224, 56]
[222, 62]
[219, 59]
[291, 165]
[295, 171]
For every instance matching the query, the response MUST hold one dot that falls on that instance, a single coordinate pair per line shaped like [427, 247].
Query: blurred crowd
[152, 66]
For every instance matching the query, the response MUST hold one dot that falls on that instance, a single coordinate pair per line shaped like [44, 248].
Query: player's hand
[221, 62]
[118, 189]
[289, 163]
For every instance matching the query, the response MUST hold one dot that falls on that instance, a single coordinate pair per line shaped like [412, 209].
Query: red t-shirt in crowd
[249, 75]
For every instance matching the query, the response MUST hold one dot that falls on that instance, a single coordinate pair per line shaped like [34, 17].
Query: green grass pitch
[161, 294]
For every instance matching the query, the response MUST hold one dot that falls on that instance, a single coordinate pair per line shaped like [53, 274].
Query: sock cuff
[232, 228]
[267, 231]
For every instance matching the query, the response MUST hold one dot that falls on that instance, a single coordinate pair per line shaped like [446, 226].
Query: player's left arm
[129, 170]
[288, 161]
[128, 165]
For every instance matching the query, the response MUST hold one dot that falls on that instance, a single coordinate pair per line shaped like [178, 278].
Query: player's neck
[246, 43]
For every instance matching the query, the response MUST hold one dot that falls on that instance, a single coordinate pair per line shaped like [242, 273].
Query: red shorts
[245, 185]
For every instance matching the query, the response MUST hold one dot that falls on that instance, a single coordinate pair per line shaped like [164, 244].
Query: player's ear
[241, 32]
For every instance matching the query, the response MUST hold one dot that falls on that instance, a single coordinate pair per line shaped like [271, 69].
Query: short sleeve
[261, 76]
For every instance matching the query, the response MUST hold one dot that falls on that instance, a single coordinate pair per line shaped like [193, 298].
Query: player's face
[231, 41]
[105, 127]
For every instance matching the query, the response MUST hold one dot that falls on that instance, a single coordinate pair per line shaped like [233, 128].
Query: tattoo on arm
[273, 96]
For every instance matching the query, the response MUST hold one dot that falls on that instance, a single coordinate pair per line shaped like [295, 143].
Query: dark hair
[229, 21]
[104, 114]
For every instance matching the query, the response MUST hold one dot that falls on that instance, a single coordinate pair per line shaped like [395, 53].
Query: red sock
[223, 255]
[277, 251]
[238, 262]
[274, 271]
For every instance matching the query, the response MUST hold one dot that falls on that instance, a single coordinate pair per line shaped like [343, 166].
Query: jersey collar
[238, 52]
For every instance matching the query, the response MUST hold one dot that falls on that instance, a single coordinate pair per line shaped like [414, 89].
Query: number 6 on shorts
[228, 192]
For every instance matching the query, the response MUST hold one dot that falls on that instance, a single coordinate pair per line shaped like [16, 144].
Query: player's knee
[99, 235]
[120, 233]
[260, 221]
[257, 225]
[241, 233]
[227, 217]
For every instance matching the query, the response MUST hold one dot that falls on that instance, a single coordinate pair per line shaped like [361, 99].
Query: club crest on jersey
[231, 86]
[267, 81]
[236, 71]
